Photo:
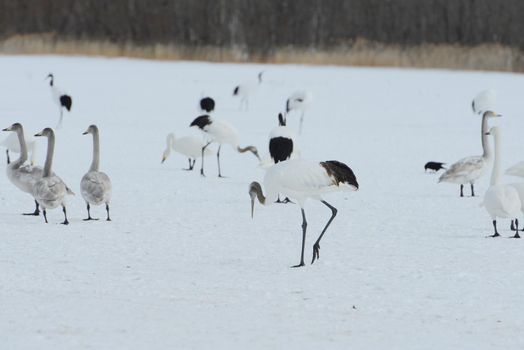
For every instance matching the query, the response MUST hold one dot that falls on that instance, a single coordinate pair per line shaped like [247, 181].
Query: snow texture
[405, 265]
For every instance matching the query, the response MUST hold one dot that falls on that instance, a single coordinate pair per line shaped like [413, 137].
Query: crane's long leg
[304, 227]
[202, 167]
[472, 190]
[107, 210]
[7, 153]
[66, 222]
[36, 212]
[89, 213]
[516, 228]
[462, 190]
[218, 161]
[61, 117]
[190, 167]
[316, 246]
[496, 234]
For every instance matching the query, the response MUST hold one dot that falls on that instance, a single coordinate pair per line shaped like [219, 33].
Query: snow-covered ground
[405, 264]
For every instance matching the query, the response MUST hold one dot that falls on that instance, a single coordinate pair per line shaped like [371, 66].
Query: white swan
[12, 144]
[50, 191]
[23, 176]
[189, 146]
[95, 185]
[470, 169]
[500, 200]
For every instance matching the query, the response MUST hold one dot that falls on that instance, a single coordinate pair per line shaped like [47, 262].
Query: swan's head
[92, 129]
[14, 127]
[491, 114]
[46, 132]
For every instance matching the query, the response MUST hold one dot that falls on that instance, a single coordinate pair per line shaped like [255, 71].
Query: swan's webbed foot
[107, 210]
[516, 235]
[90, 218]
[496, 234]
[66, 222]
[316, 252]
[35, 213]
[299, 265]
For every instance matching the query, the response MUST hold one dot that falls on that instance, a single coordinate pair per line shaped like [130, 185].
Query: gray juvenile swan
[23, 176]
[95, 185]
[50, 191]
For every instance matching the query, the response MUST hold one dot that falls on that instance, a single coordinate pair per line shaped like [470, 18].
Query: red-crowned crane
[62, 99]
[246, 90]
[301, 180]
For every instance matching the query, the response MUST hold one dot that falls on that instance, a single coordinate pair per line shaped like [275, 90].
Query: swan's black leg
[190, 167]
[203, 149]
[36, 212]
[516, 229]
[316, 246]
[218, 160]
[461, 190]
[193, 165]
[107, 209]
[66, 222]
[472, 190]
[45, 215]
[304, 226]
[496, 234]
[89, 213]
[7, 153]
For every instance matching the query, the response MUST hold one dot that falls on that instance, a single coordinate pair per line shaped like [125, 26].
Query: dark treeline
[261, 26]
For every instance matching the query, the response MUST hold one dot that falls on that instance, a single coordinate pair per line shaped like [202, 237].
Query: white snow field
[405, 265]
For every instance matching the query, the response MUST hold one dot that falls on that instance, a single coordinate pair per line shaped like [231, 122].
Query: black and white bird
[484, 101]
[221, 132]
[207, 104]
[246, 90]
[435, 166]
[301, 180]
[62, 99]
[299, 101]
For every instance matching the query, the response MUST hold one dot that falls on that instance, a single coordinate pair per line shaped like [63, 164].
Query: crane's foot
[299, 265]
[66, 222]
[316, 252]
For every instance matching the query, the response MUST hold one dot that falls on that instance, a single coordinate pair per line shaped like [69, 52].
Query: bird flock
[505, 201]
[288, 178]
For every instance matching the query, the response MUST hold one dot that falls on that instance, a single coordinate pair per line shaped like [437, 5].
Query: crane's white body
[299, 101]
[188, 146]
[246, 90]
[284, 132]
[484, 101]
[300, 179]
[221, 132]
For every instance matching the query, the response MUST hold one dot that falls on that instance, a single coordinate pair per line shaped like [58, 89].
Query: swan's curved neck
[95, 164]
[495, 174]
[49, 156]
[23, 149]
[485, 140]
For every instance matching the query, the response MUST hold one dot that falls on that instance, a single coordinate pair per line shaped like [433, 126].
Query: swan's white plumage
[13, 145]
[465, 170]
[95, 187]
[516, 170]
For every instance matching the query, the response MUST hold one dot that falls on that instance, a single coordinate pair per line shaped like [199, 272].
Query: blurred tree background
[273, 30]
